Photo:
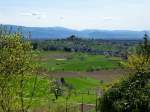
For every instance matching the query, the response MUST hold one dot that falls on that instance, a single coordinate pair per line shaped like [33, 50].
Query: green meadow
[83, 88]
[58, 61]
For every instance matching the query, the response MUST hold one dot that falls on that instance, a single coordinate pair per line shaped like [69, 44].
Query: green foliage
[131, 94]
[44, 96]
[74, 44]
[140, 61]
[15, 64]
[15, 54]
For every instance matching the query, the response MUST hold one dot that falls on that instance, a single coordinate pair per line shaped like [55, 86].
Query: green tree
[133, 93]
[15, 66]
[140, 61]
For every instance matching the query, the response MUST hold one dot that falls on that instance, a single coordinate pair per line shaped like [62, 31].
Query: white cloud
[108, 18]
[37, 15]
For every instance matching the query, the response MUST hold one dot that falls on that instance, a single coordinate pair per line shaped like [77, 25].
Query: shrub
[128, 95]
[131, 94]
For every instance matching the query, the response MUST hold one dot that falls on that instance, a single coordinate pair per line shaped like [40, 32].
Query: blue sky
[77, 14]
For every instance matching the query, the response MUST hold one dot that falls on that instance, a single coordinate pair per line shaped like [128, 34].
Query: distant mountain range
[60, 32]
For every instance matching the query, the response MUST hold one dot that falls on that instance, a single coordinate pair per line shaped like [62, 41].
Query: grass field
[80, 70]
[82, 83]
[85, 76]
[79, 84]
[84, 89]
[59, 61]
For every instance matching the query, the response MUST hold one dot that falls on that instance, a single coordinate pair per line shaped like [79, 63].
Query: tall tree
[15, 65]
[140, 61]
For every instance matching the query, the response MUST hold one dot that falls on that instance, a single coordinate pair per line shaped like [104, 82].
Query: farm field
[86, 74]
[67, 81]
[59, 61]
[83, 90]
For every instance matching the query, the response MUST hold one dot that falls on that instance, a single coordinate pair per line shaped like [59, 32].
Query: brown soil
[105, 75]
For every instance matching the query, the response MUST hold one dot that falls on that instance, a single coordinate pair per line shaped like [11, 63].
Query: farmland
[86, 74]
[59, 61]
[84, 90]
[59, 80]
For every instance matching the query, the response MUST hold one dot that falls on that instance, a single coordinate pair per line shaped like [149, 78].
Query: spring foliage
[133, 93]
[15, 65]
[140, 61]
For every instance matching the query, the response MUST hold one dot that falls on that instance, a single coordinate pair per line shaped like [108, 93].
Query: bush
[130, 95]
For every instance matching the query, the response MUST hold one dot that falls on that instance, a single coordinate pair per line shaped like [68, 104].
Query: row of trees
[93, 46]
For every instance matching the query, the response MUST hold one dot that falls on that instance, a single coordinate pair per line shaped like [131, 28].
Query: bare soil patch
[105, 75]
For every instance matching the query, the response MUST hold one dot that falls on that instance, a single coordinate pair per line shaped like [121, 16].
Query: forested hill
[60, 32]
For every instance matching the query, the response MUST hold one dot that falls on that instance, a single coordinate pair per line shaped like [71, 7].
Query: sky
[77, 14]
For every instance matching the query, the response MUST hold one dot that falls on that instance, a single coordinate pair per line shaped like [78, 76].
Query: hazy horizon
[77, 14]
